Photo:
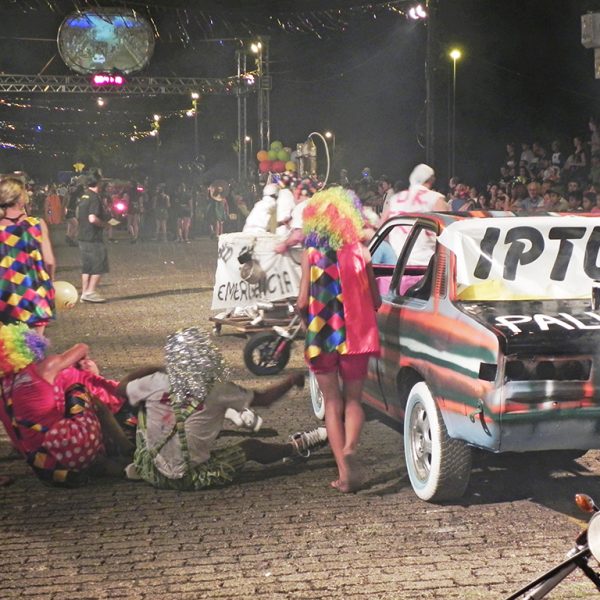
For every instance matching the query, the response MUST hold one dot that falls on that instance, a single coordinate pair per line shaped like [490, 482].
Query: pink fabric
[408, 281]
[351, 367]
[362, 335]
[37, 401]
[104, 389]
[383, 284]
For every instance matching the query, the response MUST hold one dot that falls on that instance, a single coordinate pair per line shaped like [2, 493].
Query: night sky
[524, 76]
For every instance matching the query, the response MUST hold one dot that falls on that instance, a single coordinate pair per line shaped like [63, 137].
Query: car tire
[438, 466]
[317, 400]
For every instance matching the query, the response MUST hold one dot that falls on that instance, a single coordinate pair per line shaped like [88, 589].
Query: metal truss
[149, 86]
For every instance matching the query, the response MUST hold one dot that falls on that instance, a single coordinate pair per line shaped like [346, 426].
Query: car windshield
[524, 258]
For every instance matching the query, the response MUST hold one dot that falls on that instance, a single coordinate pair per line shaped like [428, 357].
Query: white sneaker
[92, 297]
[246, 419]
[305, 441]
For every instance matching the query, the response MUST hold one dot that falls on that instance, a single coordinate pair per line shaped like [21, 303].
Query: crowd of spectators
[539, 178]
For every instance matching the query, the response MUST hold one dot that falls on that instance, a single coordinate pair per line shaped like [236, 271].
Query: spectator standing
[219, 209]
[53, 208]
[94, 256]
[71, 200]
[161, 204]
[134, 214]
[183, 208]
[26, 261]
[576, 163]
[386, 191]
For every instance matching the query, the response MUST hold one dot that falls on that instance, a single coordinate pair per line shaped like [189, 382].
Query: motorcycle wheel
[259, 353]
[439, 467]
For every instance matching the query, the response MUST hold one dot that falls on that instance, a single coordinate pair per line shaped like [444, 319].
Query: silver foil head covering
[194, 364]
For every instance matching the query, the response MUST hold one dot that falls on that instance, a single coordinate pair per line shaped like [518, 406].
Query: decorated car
[490, 336]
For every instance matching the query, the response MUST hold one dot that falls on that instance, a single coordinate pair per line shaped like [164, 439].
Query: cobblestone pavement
[280, 532]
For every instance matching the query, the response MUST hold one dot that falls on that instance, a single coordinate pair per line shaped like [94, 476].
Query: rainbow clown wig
[333, 218]
[19, 347]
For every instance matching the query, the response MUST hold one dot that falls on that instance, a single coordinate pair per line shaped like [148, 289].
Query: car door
[385, 247]
[405, 309]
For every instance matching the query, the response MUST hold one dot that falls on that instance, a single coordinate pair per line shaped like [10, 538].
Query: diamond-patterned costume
[26, 291]
[341, 316]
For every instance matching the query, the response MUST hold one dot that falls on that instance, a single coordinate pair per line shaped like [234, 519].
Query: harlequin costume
[54, 426]
[26, 291]
[341, 315]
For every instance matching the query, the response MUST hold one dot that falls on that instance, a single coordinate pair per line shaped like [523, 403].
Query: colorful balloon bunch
[275, 160]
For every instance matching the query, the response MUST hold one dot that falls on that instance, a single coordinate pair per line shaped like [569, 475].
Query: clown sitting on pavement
[181, 414]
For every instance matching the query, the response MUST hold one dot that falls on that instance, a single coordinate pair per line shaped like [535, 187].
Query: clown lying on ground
[60, 414]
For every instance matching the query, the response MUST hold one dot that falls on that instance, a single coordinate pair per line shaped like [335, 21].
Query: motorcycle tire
[259, 353]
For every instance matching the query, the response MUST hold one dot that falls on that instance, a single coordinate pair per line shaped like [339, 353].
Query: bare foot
[343, 486]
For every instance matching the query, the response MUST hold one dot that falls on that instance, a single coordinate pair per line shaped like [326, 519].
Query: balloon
[290, 165]
[262, 155]
[276, 145]
[273, 154]
[287, 149]
[283, 155]
[264, 166]
[278, 166]
[66, 294]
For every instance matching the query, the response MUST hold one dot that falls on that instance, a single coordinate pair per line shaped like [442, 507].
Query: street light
[195, 98]
[455, 54]
[248, 140]
[331, 136]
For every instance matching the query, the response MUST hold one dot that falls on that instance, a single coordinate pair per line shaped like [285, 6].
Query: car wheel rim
[420, 441]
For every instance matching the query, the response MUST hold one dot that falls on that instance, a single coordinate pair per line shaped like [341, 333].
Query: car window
[414, 276]
[384, 256]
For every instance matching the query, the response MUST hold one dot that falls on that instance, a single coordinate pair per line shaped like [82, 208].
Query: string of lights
[177, 22]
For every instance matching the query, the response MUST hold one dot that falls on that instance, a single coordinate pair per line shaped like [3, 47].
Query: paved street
[279, 532]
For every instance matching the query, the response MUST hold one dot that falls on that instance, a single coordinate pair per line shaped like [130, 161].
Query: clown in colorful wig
[19, 347]
[339, 296]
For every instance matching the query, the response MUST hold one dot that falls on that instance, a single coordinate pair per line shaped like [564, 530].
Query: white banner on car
[510, 258]
[249, 270]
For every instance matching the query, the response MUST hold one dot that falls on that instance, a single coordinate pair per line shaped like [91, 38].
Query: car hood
[539, 327]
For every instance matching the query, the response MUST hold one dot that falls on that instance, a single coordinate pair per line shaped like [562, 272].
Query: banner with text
[518, 258]
[249, 270]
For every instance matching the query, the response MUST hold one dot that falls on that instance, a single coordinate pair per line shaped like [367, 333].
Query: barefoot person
[181, 414]
[339, 295]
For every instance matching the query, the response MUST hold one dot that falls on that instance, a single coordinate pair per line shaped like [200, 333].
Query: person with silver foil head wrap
[181, 412]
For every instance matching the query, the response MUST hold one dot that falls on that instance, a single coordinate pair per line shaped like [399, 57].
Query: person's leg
[264, 452]
[275, 392]
[85, 283]
[354, 414]
[180, 230]
[187, 223]
[334, 420]
[92, 283]
[300, 444]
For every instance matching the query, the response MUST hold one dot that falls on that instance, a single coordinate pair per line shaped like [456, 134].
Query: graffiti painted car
[490, 339]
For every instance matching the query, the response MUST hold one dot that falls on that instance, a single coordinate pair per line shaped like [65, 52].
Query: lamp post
[331, 136]
[455, 54]
[248, 140]
[195, 98]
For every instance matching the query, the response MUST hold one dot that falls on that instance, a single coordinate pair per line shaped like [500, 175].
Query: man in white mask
[419, 197]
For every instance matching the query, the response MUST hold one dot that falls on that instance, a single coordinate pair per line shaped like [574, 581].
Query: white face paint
[511, 322]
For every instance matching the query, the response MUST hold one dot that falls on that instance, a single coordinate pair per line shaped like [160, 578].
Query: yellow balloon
[66, 294]
[290, 165]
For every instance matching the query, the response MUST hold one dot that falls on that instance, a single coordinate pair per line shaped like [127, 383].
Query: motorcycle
[268, 352]
[587, 545]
